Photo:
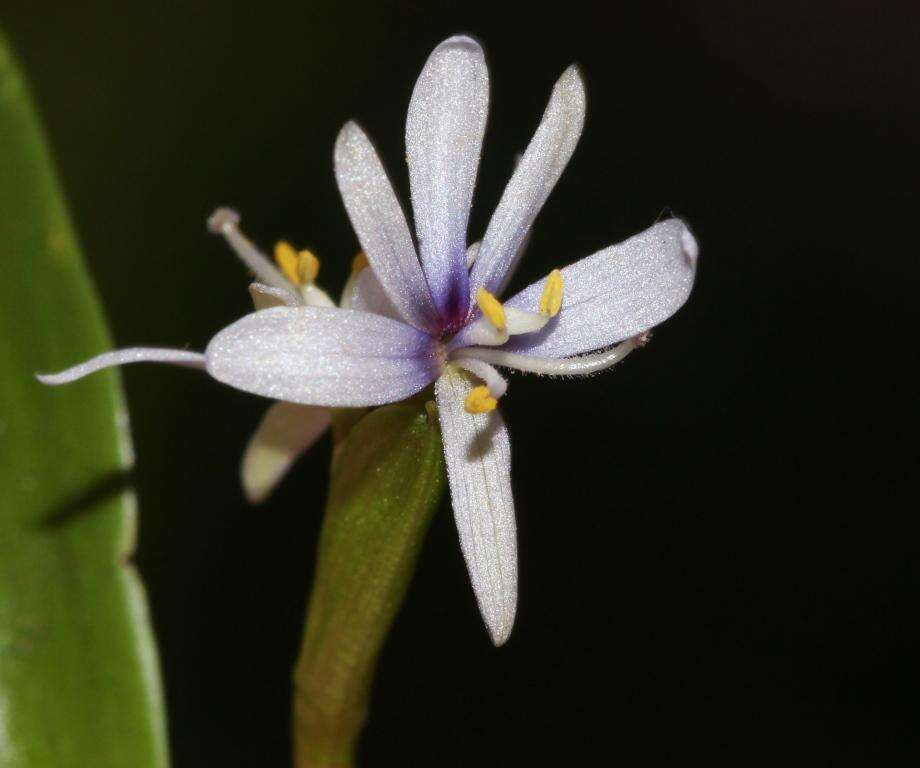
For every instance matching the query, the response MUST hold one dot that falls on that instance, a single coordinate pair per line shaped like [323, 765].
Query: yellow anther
[307, 266]
[492, 308]
[286, 259]
[301, 268]
[551, 300]
[359, 262]
[480, 400]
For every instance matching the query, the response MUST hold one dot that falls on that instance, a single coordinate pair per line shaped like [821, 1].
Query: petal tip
[347, 133]
[349, 129]
[253, 493]
[501, 633]
[571, 86]
[688, 245]
[459, 41]
[573, 78]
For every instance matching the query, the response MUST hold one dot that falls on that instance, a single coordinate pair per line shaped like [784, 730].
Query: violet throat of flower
[299, 269]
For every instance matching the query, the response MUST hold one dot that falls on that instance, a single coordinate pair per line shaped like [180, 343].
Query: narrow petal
[381, 227]
[368, 295]
[285, 432]
[534, 178]
[124, 357]
[478, 456]
[444, 130]
[615, 294]
[512, 267]
[323, 356]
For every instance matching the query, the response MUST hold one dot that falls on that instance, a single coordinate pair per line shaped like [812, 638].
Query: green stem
[387, 481]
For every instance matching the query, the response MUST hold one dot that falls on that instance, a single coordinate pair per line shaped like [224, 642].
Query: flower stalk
[387, 481]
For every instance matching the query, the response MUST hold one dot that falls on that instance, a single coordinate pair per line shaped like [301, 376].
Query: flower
[434, 315]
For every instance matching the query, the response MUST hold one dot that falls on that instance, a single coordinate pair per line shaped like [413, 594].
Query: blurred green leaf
[387, 480]
[78, 670]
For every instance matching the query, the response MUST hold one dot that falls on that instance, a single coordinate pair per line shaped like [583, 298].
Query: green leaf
[387, 480]
[78, 670]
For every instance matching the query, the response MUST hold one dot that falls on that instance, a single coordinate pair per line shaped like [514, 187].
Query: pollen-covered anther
[492, 309]
[480, 400]
[551, 300]
[300, 267]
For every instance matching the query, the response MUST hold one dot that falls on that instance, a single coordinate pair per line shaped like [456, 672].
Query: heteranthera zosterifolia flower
[432, 314]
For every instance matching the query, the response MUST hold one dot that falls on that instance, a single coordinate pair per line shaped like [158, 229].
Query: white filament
[566, 366]
[487, 374]
[225, 222]
[520, 321]
[482, 331]
[315, 297]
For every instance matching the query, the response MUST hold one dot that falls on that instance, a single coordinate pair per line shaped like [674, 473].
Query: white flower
[433, 315]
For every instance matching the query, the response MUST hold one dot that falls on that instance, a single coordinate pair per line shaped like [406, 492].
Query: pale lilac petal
[478, 456]
[367, 295]
[381, 227]
[124, 357]
[285, 432]
[615, 294]
[533, 179]
[323, 356]
[444, 130]
[512, 267]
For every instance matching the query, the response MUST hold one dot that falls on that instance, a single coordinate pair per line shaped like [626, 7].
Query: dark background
[718, 539]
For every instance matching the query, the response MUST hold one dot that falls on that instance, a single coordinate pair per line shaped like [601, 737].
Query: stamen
[492, 308]
[286, 259]
[485, 373]
[551, 300]
[566, 366]
[480, 401]
[300, 267]
[479, 332]
[225, 222]
[359, 262]
[307, 266]
[315, 297]
[521, 321]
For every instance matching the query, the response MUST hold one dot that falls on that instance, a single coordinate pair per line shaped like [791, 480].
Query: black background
[718, 542]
